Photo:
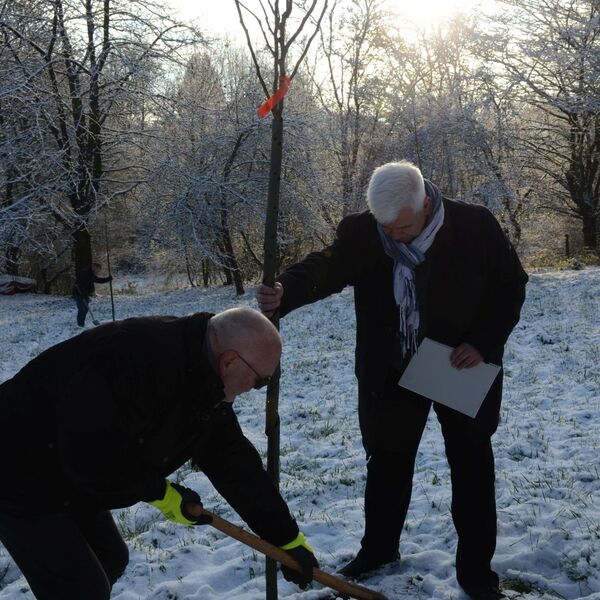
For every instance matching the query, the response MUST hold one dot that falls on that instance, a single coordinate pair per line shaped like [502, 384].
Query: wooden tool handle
[249, 539]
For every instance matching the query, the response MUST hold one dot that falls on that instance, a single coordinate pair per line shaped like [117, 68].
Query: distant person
[99, 421]
[421, 265]
[84, 288]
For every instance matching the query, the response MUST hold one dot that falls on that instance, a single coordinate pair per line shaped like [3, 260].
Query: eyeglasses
[261, 381]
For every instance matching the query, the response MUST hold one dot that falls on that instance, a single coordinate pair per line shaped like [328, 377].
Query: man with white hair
[157, 392]
[421, 266]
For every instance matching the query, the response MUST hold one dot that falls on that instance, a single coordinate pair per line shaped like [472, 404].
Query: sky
[546, 448]
[221, 15]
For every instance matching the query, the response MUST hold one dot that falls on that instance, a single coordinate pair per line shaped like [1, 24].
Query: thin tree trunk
[230, 258]
[231, 263]
[205, 272]
[82, 248]
[271, 268]
[188, 267]
[279, 53]
[590, 230]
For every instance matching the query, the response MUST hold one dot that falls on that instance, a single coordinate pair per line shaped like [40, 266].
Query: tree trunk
[271, 268]
[230, 257]
[582, 176]
[590, 230]
[346, 177]
[47, 282]
[271, 246]
[12, 256]
[231, 263]
[188, 266]
[515, 226]
[12, 253]
[82, 248]
[205, 272]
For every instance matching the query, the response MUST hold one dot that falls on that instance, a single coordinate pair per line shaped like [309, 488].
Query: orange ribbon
[269, 104]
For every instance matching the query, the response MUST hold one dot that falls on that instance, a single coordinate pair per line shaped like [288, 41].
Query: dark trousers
[66, 556]
[82, 309]
[400, 420]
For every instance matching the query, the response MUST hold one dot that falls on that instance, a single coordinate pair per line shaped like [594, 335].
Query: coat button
[66, 503]
[165, 459]
[140, 440]
[51, 446]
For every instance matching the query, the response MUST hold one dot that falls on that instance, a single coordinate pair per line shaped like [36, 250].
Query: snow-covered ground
[547, 454]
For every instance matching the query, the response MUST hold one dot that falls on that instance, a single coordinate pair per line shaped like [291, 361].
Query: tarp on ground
[11, 284]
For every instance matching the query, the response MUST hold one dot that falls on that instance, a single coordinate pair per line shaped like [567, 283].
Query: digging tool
[345, 588]
[112, 298]
[87, 305]
[94, 321]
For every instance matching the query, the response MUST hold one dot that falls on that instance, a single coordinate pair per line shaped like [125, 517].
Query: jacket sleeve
[102, 279]
[500, 308]
[235, 469]
[95, 451]
[84, 282]
[321, 273]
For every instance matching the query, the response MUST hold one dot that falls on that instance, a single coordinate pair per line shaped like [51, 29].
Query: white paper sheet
[430, 374]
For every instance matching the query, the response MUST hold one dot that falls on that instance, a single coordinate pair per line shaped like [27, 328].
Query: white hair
[392, 187]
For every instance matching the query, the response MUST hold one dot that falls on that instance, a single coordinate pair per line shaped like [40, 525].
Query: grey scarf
[406, 257]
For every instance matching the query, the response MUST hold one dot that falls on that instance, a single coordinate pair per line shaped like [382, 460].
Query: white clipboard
[430, 374]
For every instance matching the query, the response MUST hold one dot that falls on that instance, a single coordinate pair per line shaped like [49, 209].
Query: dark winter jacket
[99, 421]
[470, 289]
[84, 282]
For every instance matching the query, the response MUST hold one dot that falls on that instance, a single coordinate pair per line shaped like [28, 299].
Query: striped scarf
[406, 258]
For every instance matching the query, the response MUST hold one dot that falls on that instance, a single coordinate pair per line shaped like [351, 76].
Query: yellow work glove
[300, 550]
[172, 505]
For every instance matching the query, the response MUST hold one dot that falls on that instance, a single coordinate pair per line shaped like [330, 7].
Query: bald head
[246, 330]
[246, 347]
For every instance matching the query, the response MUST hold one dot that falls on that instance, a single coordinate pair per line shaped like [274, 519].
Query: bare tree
[209, 160]
[29, 169]
[352, 79]
[77, 69]
[273, 23]
[551, 49]
[456, 120]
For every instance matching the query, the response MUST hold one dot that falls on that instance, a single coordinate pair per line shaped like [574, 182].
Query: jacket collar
[443, 238]
[206, 385]
[442, 241]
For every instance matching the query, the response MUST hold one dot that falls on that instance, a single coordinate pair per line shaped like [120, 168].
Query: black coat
[99, 421]
[470, 288]
[84, 282]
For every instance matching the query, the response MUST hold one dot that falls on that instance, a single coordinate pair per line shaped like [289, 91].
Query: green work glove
[300, 550]
[172, 505]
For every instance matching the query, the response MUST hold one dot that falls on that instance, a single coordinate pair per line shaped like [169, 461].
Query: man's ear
[225, 359]
[427, 205]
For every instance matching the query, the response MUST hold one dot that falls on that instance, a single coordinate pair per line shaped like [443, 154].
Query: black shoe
[491, 592]
[363, 564]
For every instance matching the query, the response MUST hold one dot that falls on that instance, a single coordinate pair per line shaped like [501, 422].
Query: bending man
[160, 392]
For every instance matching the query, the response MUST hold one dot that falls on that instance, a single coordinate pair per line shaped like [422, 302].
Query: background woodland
[124, 128]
